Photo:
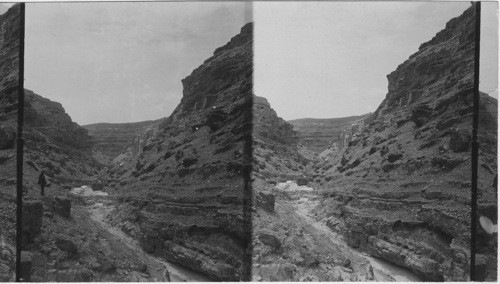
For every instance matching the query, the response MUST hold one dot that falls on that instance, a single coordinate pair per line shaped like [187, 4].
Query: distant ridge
[319, 133]
[331, 120]
[101, 124]
[111, 138]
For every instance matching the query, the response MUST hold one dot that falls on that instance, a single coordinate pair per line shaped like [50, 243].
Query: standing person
[42, 182]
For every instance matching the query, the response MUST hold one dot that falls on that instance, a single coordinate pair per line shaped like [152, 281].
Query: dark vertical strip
[248, 152]
[475, 146]
[248, 198]
[20, 122]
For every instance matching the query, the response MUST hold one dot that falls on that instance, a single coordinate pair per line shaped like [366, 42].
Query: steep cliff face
[56, 145]
[112, 138]
[184, 192]
[9, 68]
[319, 134]
[276, 148]
[401, 187]
[50, 118]
[9, 74]
[488, 198]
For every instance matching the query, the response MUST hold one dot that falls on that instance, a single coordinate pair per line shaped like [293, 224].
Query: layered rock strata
[276, 148]
[285, 246]
[56, 145]
[10, 22]
[400, 190]
[319, 134]
[184, 194]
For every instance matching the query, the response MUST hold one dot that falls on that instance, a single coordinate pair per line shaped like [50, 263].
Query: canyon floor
[307, 250]
[102, 252]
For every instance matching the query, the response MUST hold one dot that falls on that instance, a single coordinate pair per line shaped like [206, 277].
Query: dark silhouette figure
[42, 182]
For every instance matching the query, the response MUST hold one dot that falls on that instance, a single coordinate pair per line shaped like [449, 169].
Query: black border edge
[20, 123]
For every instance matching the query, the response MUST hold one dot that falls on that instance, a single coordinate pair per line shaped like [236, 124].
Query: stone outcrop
[49, 118]
[268, 126]
[276, 147]
[401, 186]
[184, 189]
[348, 134]
[65, 244]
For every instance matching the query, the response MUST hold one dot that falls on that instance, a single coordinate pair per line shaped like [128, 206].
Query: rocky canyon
[224, 189]
[391, 187]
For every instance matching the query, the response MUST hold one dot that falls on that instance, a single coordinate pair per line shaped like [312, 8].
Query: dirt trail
[157, 266]
[382, 270]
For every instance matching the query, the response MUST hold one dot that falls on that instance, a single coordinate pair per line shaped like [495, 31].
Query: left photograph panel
[137, 135]
[10, 23]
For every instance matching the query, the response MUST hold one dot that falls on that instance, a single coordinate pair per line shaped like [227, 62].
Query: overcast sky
[331, 59]
[122, 62]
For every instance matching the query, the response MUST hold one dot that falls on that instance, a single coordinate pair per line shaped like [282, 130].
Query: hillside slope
[183, 195]
[56, 145]
[9, 68]
[401, 189]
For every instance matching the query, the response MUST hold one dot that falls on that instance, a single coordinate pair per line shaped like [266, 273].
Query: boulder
[302, 181]
[384, 150]
[187, 162]
[310, 260]
[445, 163]
[266, 200]
[65, 244]
[62, 206]
[394, 157]
[7, 138]
[135, 276]
[216, 119]
[32, 220]
[26, 265]
[270, 240]
[421, 115]
[5, 157]
[460, 140]
[105, 265]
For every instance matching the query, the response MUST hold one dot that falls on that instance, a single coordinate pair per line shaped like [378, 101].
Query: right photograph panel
[362, 143]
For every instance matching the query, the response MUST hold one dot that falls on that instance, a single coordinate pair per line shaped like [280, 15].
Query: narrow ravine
[382, 270]
[178, 273]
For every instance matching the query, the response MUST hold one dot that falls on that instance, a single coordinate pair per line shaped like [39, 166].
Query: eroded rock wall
[10, 21]
[401, 187]
[184, 193]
